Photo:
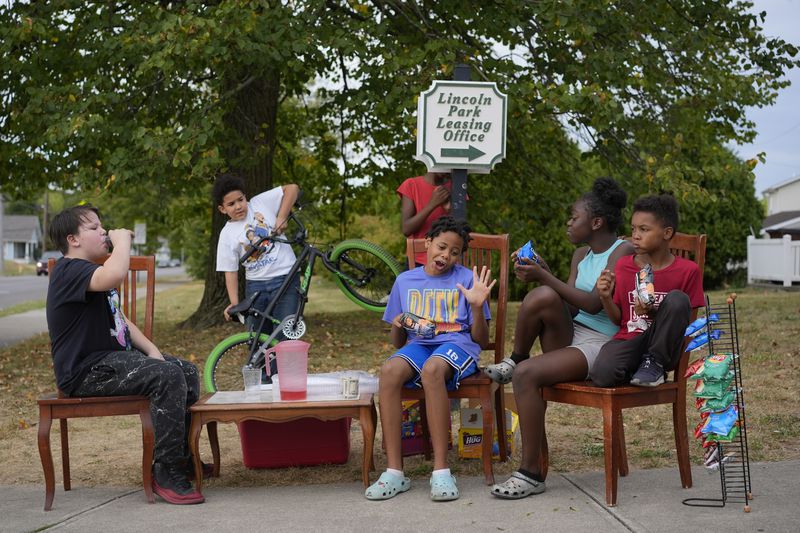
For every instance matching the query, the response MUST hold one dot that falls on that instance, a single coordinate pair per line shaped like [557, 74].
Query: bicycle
[363, 271]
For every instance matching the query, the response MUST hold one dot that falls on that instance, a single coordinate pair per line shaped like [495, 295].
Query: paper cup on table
[349, 387]
[252, 381]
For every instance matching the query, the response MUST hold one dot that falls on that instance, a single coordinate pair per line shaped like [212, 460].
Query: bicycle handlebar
[299, 238]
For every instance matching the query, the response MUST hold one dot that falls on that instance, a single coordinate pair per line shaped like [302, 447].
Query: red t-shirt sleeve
[407, 188]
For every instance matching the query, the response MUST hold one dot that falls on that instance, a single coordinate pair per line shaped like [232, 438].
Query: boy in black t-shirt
[97, 351]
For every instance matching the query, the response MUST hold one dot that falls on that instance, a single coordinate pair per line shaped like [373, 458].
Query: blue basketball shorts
[416, 355]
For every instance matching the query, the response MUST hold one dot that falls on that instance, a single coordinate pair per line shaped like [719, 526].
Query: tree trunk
[249, 153]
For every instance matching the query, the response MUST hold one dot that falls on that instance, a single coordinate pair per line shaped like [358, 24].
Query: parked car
[165, 262]
[41, 264]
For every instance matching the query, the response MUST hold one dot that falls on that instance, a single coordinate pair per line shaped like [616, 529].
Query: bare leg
[434, 374]
[543, 314]
[566, 364]
[394, 373]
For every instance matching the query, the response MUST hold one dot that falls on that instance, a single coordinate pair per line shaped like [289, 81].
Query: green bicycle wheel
[367, 272]
[223, 369]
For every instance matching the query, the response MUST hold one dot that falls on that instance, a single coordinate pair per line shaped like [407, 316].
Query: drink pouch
[713, 388]
[715, 367]
[694, 368]
[528, 252]
[645, 289]
[702, 339]
[700, 323]
[705, 405]
[722, 422]
[422, 327]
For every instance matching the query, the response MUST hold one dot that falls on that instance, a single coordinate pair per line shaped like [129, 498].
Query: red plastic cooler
[303, 442]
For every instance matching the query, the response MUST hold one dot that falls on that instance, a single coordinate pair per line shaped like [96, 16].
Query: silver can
[349, 387]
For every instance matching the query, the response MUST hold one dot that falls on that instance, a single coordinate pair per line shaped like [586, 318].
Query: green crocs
[443, 488]
[387, 486]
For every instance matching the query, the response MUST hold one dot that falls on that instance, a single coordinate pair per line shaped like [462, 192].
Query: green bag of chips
[715, 367]
[716, 404]
[724, 438]
[713, 388]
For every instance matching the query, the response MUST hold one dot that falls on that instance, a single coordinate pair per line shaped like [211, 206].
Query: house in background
[776, 257]
[783, 210]
[21, 237]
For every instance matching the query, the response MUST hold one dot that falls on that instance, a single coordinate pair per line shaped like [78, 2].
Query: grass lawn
[108, 451]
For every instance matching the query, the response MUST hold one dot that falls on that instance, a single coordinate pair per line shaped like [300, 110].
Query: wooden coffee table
[204, 413]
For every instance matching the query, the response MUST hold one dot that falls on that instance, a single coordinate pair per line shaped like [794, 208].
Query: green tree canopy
[117, 96]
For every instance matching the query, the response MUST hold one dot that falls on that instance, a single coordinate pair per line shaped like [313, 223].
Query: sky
[778, 126]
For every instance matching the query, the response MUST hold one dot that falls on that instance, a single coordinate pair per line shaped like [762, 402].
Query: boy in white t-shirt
[267, 268]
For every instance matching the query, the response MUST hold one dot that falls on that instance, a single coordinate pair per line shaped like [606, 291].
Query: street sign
[461, 124]
[140, 233]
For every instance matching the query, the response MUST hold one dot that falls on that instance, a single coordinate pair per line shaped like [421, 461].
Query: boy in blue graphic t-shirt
[454, 299]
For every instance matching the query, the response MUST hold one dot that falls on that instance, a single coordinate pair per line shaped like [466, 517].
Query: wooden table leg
[211, 428]
[367, 417]
[194, 450]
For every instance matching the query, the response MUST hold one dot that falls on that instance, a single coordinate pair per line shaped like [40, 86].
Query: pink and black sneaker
[171, 483]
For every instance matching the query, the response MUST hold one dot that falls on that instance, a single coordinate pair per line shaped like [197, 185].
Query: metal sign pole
[458, 176]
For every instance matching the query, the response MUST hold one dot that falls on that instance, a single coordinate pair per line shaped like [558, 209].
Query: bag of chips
[702, 339]
[694, 368]
[700, 323]
[715, 367]
[715, 404]
[722, 422]
[713, 388]
[422, 327]
[528, 252]
[732, 434]
[645, 289]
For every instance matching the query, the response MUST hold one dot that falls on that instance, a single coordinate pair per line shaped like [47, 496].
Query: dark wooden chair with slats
[483, 250]
[613, 400]
[61, 407]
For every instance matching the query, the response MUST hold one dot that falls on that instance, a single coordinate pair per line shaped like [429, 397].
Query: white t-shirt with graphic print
[236, 237]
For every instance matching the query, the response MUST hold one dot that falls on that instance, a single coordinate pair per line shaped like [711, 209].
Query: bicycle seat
[243, 307]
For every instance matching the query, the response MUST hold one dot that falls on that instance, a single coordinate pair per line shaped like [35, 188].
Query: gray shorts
[589, 342]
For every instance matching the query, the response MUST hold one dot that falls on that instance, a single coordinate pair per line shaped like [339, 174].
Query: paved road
[18, 289]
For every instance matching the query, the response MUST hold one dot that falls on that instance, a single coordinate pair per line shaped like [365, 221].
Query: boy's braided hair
[448, 223]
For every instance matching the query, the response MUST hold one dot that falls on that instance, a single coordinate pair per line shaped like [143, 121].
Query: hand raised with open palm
[481, 286]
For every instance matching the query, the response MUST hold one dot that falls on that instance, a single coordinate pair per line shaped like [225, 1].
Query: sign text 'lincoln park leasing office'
[461, 124]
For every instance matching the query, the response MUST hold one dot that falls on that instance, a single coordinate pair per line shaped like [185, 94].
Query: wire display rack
[733, 457]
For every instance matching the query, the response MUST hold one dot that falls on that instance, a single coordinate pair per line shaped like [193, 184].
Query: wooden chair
[61, 407]
[613, 400]
[482, 250]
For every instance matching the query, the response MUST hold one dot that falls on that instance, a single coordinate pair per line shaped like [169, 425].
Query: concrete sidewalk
[649, 500]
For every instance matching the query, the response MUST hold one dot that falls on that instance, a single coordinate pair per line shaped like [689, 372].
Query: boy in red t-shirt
[650, 337]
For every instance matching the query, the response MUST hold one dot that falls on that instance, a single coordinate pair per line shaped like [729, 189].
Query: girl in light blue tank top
[567, 318]
[589, 270]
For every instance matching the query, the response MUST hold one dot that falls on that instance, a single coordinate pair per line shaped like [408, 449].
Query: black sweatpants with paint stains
[172, 386]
